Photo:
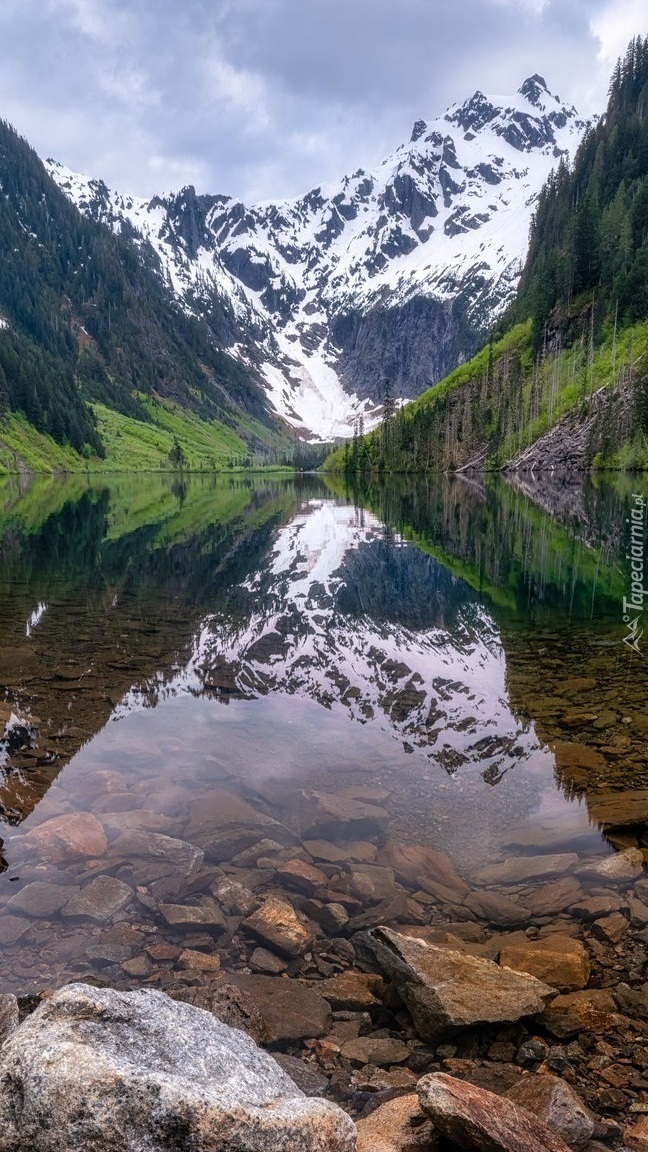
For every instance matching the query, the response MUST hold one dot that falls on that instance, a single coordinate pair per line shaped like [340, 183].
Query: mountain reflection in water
[412, 644]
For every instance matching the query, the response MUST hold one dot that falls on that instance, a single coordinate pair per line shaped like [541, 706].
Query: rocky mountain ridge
[397, 272]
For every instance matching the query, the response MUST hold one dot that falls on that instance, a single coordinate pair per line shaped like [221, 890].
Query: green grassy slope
[132, 444]
[505, 399]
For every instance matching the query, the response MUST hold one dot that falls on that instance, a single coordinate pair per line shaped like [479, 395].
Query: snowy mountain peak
[534, 89]
[398, 271]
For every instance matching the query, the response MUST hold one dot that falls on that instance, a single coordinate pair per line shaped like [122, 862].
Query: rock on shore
[104, 1071]
[446, 991]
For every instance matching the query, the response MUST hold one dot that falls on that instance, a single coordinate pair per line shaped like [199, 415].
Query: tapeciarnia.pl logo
[633, 605]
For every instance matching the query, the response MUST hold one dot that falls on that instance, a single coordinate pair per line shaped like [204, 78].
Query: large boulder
[446, 991]
[103, 1071]
[482, 1121]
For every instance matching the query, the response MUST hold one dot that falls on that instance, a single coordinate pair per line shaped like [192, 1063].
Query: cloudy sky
[266, 98]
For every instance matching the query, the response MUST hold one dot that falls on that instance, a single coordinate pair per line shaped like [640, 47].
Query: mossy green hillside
[505, 399]
[143, 445]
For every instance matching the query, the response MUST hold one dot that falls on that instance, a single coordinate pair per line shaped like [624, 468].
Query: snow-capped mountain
[397, 272]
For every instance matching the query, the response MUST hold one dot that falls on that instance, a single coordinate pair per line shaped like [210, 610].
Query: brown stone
[550, 899]
[227, 1003]
[205, 915]
[263, 961]
[638, 912]
[479, 1120]
[397, 1126]
[558, 960]
[67, 837]
[233, 895]
[369, 882]
[225, 825]
[291, 1009]
[197, 961]
[360, 851]
[324, 815]
[162, 950]
[518, 869]
[261, 849]
[592, 1010]
[167, 852]
[619, 868]
[381, 1051]
[387, 912]
[611, 928]
[100, 900]
[556, 1105]
[353, 990]
[636, 1137]
[497, 1078]
[40, 899]
[596, 906]
[301, 876]
[420, 866]
[278, 924]
[138, 966]
[444, 937]
[496, 908]
[332, 917]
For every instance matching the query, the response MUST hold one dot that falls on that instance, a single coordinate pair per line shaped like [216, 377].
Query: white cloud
[616, 25]
[240, 88]
[99, 22]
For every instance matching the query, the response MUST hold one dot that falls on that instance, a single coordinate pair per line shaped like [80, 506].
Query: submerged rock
[102, 1070]
[324, 815]
[225, 825]
[62, 838]
[518, 869]
[290, 1009]
[446, 991]
[99, 900]
[480, 1120]
[420, 866]
[170, 853]
[278, 924]
[620, 868]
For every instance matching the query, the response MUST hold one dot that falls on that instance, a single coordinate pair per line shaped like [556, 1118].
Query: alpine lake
[416, 704]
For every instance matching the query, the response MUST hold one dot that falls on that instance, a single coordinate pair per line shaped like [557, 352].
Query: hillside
[564, 383]
[86, 318]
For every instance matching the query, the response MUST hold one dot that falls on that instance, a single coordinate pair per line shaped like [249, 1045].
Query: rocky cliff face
[398, 272]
